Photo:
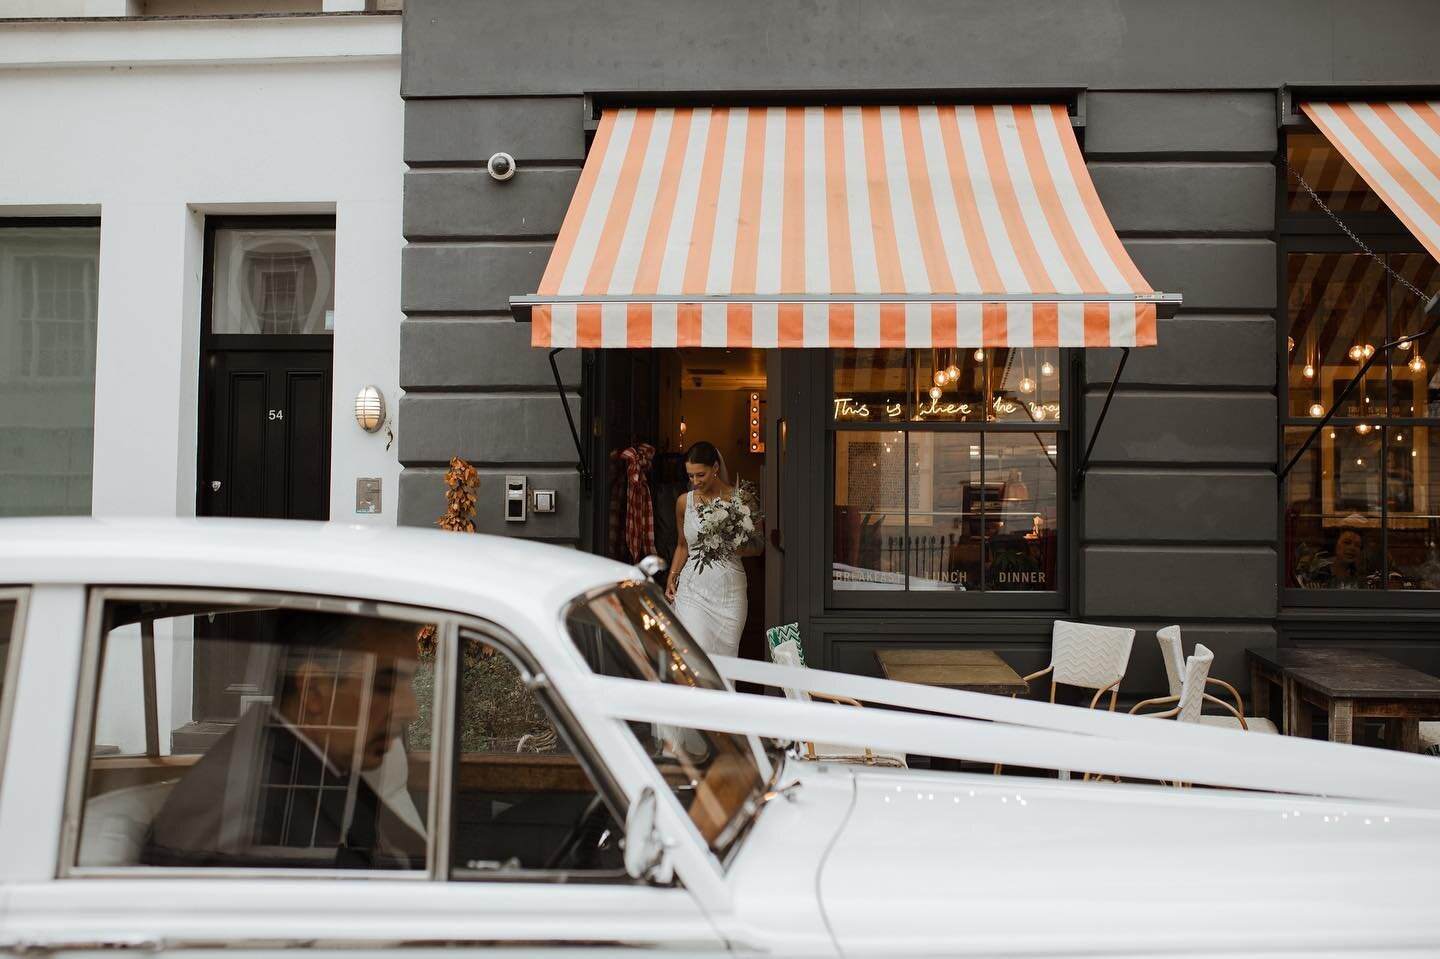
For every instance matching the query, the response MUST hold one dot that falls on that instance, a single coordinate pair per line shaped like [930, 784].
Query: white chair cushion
[1255, 724]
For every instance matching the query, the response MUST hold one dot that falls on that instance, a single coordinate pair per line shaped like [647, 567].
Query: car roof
[470, 573]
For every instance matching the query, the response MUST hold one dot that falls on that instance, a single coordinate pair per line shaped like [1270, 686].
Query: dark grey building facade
[1184, 110]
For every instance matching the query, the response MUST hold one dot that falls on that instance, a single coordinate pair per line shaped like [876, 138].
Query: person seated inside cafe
[298, 781]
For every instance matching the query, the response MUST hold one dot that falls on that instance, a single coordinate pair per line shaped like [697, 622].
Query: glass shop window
[247, 735]
[274, 281]
[954, 486]
[49, 286]
[1362, 507]
[524, 801]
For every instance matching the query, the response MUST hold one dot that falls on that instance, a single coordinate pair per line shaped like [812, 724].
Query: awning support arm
[1099, 422]
[581, 464]
[1432, 312]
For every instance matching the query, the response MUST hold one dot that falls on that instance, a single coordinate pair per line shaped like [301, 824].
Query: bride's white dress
[711, 603]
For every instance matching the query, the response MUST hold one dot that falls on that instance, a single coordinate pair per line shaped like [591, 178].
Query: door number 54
[277, 414]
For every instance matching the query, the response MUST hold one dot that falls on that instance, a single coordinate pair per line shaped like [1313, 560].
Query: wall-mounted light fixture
[756, 444]
[370, 409]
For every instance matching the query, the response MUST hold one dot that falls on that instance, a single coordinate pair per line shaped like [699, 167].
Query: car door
[379, 782]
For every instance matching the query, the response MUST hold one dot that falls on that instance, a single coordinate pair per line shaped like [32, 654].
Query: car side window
[255, 732]
[523, 801]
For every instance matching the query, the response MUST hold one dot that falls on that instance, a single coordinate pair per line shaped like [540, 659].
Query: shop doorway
[671, 399]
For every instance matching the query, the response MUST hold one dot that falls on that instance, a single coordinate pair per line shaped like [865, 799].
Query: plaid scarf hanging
[639, 508]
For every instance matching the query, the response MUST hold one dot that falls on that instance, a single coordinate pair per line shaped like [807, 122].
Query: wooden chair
[787, 653]
[1172, 650]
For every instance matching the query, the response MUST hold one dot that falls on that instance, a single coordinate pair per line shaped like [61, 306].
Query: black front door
[265, 451]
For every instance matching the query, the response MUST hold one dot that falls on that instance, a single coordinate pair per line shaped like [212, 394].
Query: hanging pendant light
[936, 392]
[1357, 353]
[1027, 385]
[1416, 364]
[979, 356]
[1046, 369]
[1316, 409]
[1308, 372]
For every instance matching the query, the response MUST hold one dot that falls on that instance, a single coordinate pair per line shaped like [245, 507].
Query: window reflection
[1337, 320]
[302, 764]
[1333, 509]
[869, 386]
[1329, 174]
[1359, 512]
[1025, 386]
[949, 386]
[869, 534]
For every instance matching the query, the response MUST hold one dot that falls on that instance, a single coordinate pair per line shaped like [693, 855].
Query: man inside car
[317, 777]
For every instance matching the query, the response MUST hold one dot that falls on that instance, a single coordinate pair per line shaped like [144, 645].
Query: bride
[710, 603]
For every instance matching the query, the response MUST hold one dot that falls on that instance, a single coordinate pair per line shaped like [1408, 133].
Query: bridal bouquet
[727, 524]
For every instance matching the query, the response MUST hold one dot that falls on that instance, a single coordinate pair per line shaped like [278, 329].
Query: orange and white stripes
[909, 226]
[1396, 147]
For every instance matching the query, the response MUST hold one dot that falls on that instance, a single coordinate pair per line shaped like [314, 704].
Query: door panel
[307, 435]
[266, 438]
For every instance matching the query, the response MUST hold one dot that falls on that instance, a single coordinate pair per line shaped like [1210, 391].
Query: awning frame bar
[1079, 481]
[582, 461]
[1432, 312]
[1162, 301]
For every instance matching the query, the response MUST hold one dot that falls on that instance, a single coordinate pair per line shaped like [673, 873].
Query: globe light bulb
[936, 392]
[940, 377]
[1316, 409]
[1290, 344]
[1046, 369]
[1404, 344]
[1368, 350]
[979, 356]
[1362, 428]
[1356, 353]
[953, 372]
[1027, 385]
[1309, 372]
[1416, 364]
[1039, 412]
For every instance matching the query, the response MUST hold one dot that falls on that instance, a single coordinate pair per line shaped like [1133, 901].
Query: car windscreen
[629, 631]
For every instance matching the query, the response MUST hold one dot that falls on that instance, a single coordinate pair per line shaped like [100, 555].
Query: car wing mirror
[645, 855]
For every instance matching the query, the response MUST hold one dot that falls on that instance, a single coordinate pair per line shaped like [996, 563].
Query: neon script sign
[847, 409]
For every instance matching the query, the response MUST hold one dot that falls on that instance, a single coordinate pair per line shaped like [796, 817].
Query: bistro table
[975, 670]
[1348, 685]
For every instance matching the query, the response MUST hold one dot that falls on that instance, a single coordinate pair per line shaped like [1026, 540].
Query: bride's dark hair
[703, 454]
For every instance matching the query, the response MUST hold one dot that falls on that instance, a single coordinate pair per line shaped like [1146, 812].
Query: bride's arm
[682, 551]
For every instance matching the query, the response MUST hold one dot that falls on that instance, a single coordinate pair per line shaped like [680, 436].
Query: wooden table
[1348, 685]
[976, 670]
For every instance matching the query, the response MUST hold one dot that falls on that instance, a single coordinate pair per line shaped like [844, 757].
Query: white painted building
[131, 146]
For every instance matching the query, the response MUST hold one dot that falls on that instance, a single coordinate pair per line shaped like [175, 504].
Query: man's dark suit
[262, 797]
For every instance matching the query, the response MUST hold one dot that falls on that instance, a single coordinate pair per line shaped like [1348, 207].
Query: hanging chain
[1351, 234]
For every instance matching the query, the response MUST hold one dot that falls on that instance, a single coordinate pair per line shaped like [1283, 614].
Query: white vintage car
[232, 733]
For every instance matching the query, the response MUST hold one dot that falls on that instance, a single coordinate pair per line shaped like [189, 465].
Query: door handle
[215, 486]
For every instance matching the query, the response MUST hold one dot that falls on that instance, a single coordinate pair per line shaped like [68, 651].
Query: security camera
[501, 166]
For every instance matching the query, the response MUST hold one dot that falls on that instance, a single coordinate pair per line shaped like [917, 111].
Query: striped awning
[908, 226]
[1396, 147]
